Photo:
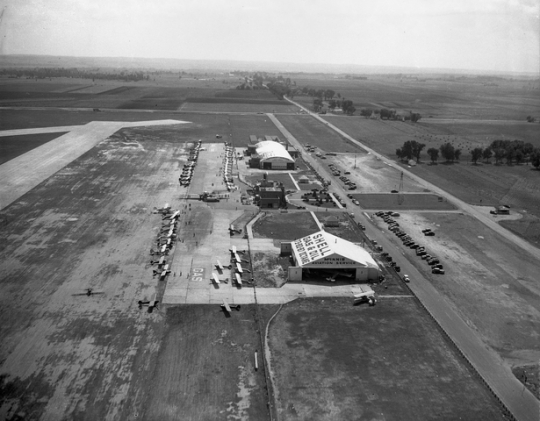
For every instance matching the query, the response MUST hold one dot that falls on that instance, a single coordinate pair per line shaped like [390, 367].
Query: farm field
[136, 96]
[335, 361]
[307, 130]
[438, 96]
[409, 201]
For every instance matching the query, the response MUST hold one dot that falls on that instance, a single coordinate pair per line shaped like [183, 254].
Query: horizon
[493, 36]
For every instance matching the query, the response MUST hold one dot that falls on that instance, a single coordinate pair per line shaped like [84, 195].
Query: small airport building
[271, 155]
[323, 255]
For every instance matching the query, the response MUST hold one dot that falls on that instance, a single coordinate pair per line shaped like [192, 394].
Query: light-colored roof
[325, 248]
[269, 149]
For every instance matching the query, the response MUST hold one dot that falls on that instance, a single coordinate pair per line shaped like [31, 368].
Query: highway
[499, 377]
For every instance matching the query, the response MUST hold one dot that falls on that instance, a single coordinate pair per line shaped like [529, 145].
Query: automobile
[408, 243]
[356, 202]
[218, 136]
[437, 271]
[349, 196]
[406, 278]
[421, 253]
[379, 213]
[429, 234]
[362, 227]
[426, 256]
[393, 191]
[347, 172]
[413, 246]
[397, 268]
[351, 215]
[426, 230]
[438, 266]
[394, 214]
[352, 187]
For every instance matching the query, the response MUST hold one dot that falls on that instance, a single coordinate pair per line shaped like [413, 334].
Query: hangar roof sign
[324, 249]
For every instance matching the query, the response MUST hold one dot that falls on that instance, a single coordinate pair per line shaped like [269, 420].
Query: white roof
[325, 249]
[269, 149]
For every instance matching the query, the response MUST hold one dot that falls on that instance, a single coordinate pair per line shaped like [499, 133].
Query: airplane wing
[215, 278]
[239, 267]
[226, 305]
[219, 265]
[238, 278]
[233, 249]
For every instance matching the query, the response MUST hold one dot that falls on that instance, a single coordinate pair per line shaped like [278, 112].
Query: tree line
[50, 72]
[511, 151]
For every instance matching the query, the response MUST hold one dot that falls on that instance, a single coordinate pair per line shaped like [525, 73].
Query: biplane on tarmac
[152, 304]
[89, 292]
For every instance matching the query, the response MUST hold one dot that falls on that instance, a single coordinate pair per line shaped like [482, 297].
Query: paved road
[521, 402]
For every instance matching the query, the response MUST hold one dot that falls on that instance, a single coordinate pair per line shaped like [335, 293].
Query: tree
[329, 94]
[509, 155]
[487, 154]
[317, 104]
[433, 154]
[447, 152]
[457, 154]
[476, 154]
[535, 158]
[415, 117]
[332, 104]
[412, 149]
[347, 106]
[366, 112]
[519, 156]
[399, 153]
[499, 154]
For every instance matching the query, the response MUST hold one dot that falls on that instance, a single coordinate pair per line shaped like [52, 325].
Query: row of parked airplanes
[189, 167]
[228, 164]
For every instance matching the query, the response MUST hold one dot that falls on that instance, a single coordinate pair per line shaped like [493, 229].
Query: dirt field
[491, 284]
[334, 361]
[407, 202]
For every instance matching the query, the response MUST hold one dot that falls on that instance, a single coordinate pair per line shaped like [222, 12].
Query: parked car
[406, 278]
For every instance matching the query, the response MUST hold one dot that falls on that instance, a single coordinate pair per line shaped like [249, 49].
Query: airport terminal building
[325, 255]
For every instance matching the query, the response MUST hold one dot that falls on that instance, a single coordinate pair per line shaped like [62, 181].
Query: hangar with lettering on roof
[322, 254]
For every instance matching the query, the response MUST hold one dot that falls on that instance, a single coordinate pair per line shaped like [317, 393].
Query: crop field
[434, 96]
[480, 184]
[238, 107]
[310, 131]
[13, 146]
[408, 202]
[335, 361]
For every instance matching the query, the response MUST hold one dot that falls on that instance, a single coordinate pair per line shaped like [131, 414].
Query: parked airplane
[334, 274]
[89, 291]
[228, 306]
[215, 278]
[153, 303]
[366, 295]
[238, 279]
[159, 262]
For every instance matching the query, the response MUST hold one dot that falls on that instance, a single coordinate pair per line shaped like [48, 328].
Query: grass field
[435, 95]
[285, 226]
[334, 361]
[409, 202]
[308, 130]
[13, 146]
[199, 339]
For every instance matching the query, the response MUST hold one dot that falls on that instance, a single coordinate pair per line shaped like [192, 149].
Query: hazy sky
[500, 35]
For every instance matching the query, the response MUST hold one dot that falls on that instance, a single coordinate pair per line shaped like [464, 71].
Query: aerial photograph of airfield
[191, 240]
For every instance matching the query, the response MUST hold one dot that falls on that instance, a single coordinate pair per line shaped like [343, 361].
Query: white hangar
[324, 254]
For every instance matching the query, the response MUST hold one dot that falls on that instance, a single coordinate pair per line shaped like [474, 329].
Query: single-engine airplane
[153, 303]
